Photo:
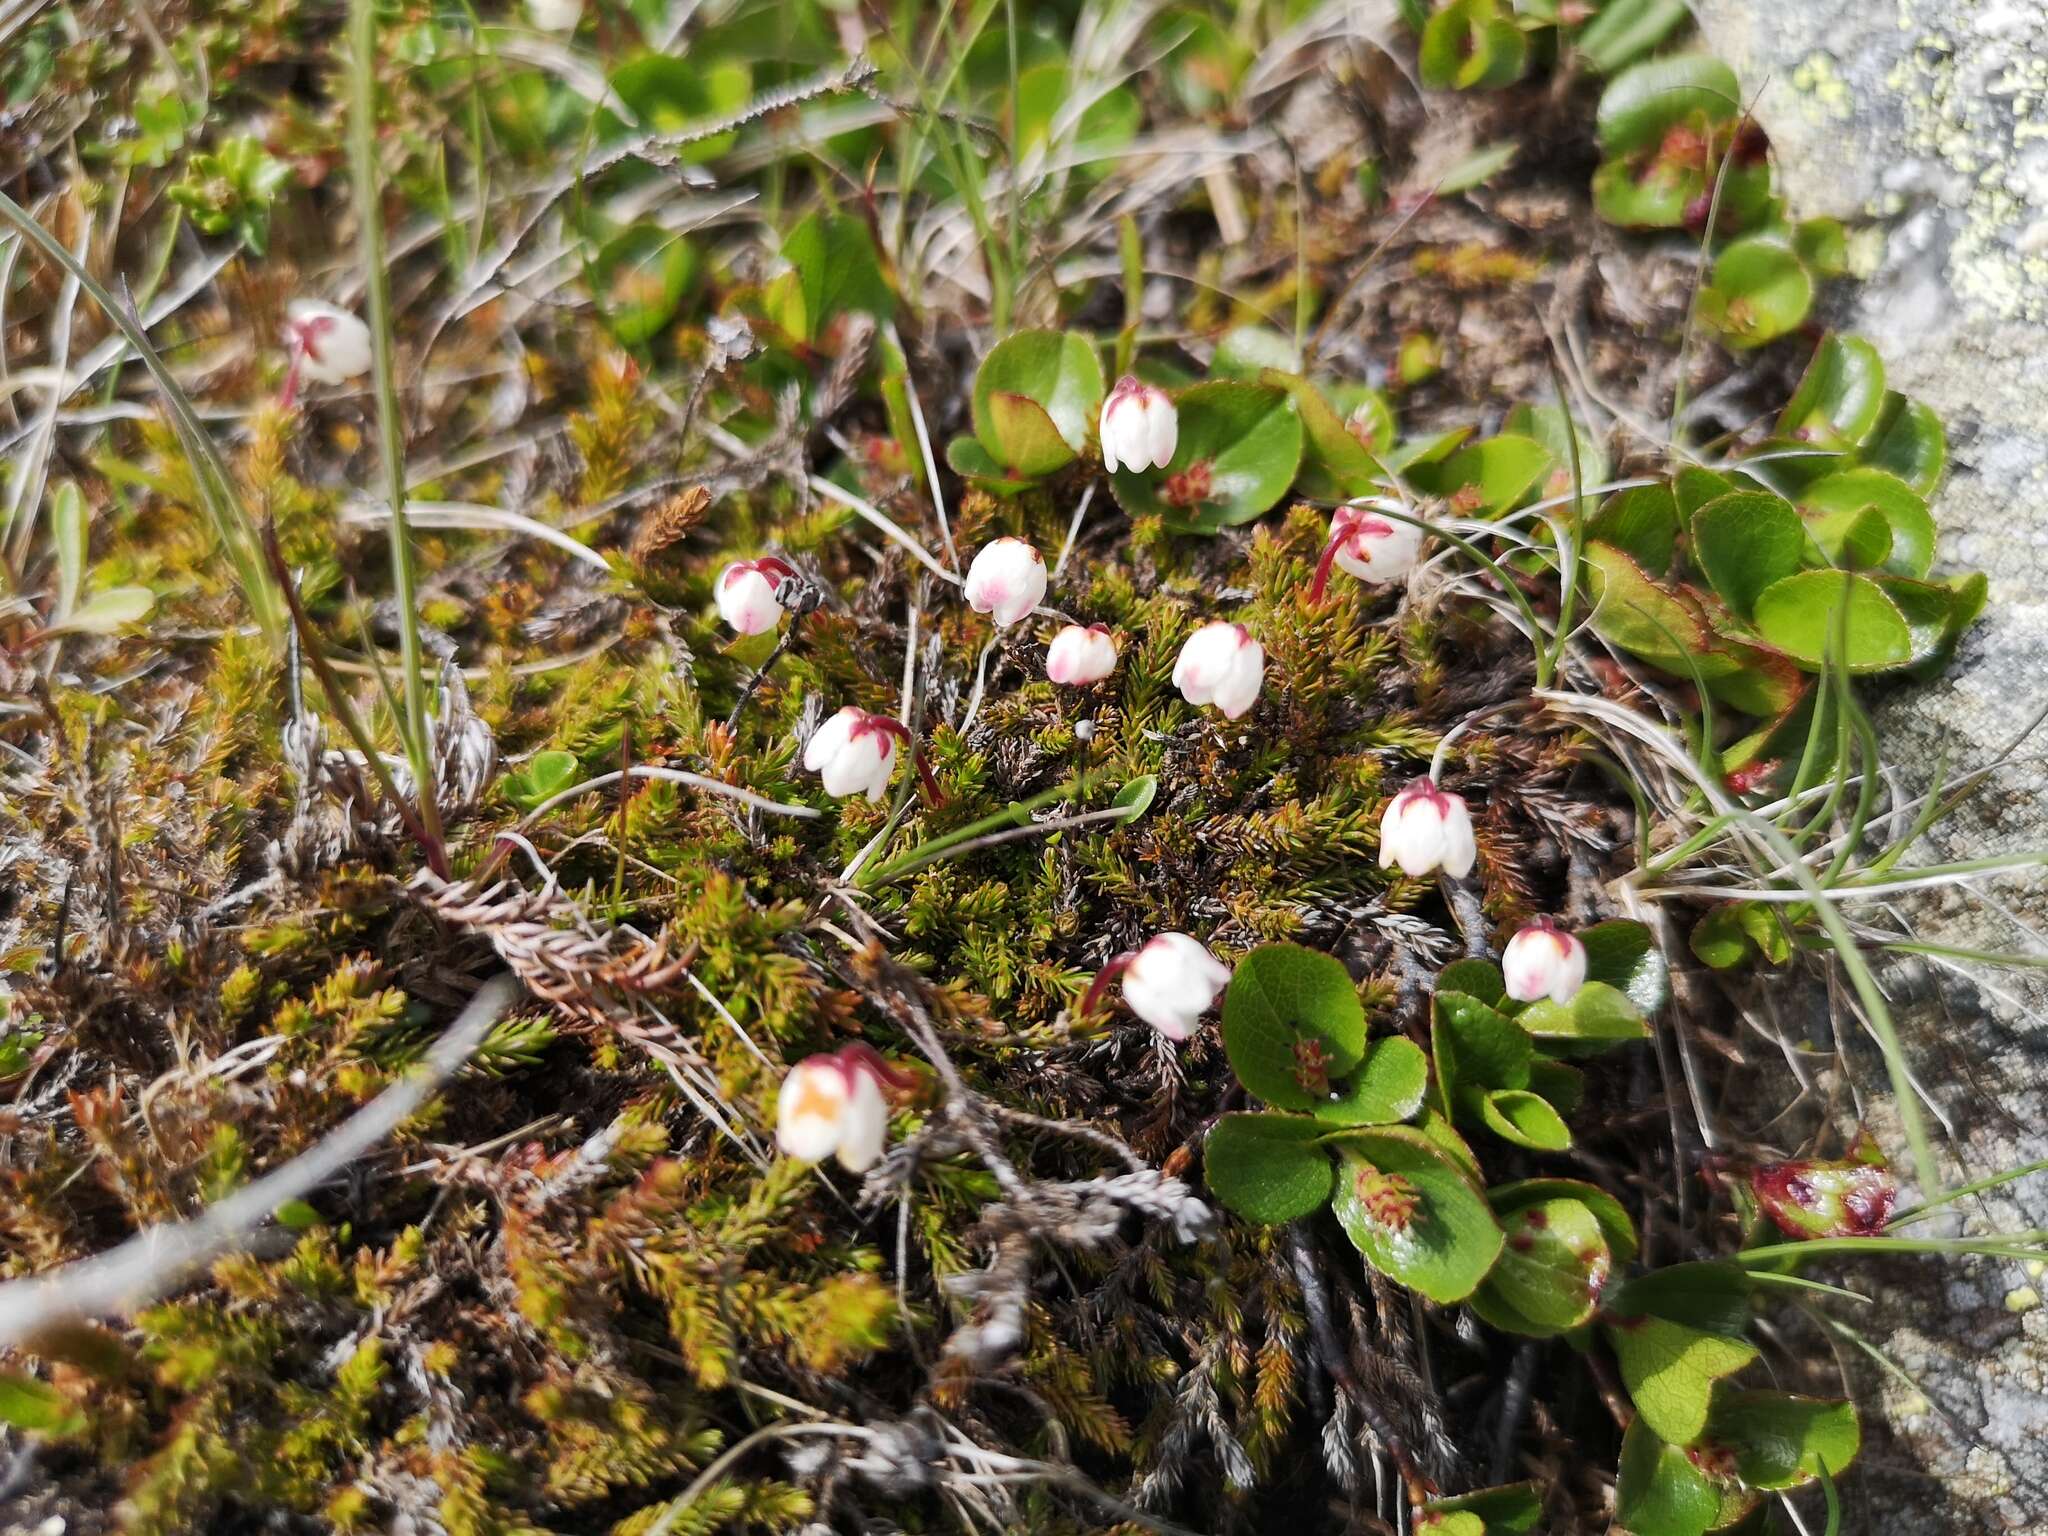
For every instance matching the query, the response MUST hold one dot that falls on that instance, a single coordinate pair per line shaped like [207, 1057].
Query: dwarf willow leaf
[1803, 617]
[1268, 1168]
[1551, 1270]
[1523, 1117]
[1658, 1491]
[1598, 1016]
[1057, 372]
[1388, 1086]
[1292, 1025]
[1413, 1213]
[1780, 1440]
[1744, 542]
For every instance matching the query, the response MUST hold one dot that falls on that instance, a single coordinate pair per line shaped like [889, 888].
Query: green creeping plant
[1376, 1130]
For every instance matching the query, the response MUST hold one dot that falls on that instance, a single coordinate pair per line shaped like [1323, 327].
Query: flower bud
[1171, 982]
[1425, 828]
[1006, 581]
[1139, 428]
[832, 1105]
[328, 344]
[1080, 656]
[1542, 960]
[1369, 545]
[1221, 664]
[555, 15]
[854, 752]
[746, 594]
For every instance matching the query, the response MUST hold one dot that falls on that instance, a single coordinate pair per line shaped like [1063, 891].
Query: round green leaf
[1024, 437]
[540, 778]
[1670, 1370]
[1645, 102]
[1759, 292]
[1909, 442]
[1653, 194]
[1137, 795]
[1663, 625]
[1240, 445]
[1832, 503]
[1509, 1510]
[1597, 1017]
[1641, 522]
[1623, 954]
[1803, 616]
[1250, 350]
[1475, 978]
[1840, 398]
[1292, 1025]
[1387, 1087]
[1744, 542]
[1524, 1118]
[974, 462]
[1615, 1226]
[1336, 464]
[1268, 1168]
[1412, 1213]
[1486, 478]
[1658, 1491]
[1475, 1047]
[1468, 45]
[1554, 1265]
[1780, 1440]
[1058, 372]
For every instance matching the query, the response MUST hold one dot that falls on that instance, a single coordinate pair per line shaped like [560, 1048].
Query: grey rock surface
[1930, 117]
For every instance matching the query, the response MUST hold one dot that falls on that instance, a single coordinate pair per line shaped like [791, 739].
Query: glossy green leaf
[1486, 478]
[1641, 522]
[36, 1407]
[1240, 445]
[1023, 438]
[1137, 795]
[1744, 542]
[1058, 372]
[1553, 1266]
[1475, 978]
[1523, 1117]
[1909, 442]
[1780, 1440]
[1268, 1168]
[1386, 1087]
[1625, 955]
[1662, 625]
[1646, 101]
[1841, 396]
[1598, 1016]
[1675, 1333]
[833, 271]
[1413, 1213]
[1292, 1025]
[1510, 1510]
[1336, 464]
[1803, 617]
[1735, 931]
[1625, 30]
[1251, 350]
[1832, 503]
[1658, 1491]
[1475, 1047]
[1616, 1228]
[1758, 292]
[540, 778]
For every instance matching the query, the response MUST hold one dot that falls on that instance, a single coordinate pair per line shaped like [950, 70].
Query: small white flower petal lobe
[746, 599]
[1079, 656]
[830, 739]
[333, 344]
[1373, 546]
[1461, 849]
[1006, 581]
[1542, 960]
[1139, 427]
[811, 1110]
[867, 1124]
[1423, 829]
[1221, 664]
[1172, 982]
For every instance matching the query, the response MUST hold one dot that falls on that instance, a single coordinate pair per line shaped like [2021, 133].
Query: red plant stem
[859, 1054]
[1321, 583]
[288, 396]
[1115, 968]
[898, 729]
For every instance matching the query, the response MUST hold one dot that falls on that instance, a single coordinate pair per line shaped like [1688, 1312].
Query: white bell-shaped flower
[1006, 580]
[1366, 543]
[1425, 828]
[1542, 960]
[832, 1106]
[328, 344]
[855, 752]
[1221, 664]
[1171, 982]
[1079, 656]
[746, 594]
[1139, 429]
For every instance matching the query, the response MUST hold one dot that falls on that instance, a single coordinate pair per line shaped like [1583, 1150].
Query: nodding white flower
[1006, 581]
[834, 1106]
[327, 344]
[1221, 664]
[1169, 983]
[855, 752]
[1080, 656]
[1542, 960]
[555, 15]
[1139, 428]
[1368, 545]
[746, 594]
[1426, 828]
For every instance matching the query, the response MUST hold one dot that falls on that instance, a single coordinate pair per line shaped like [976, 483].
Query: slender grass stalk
[2018, 1245]
[232, 525]
[363, 174]
[1927, 1208]
[1009, 816]
[1547, 662]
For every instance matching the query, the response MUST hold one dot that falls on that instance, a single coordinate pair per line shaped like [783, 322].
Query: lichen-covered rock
[1926, 114]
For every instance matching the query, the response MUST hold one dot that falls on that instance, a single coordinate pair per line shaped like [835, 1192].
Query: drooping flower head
[855, 753]
[747, 594]
[1006, 580]
[1367, 544]
[1081, 656]
[1221, 664]
[1170, 982]
[324, 343]
[1139, 429]
[1542, 960]
[1425, 828]
[834, 1106]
